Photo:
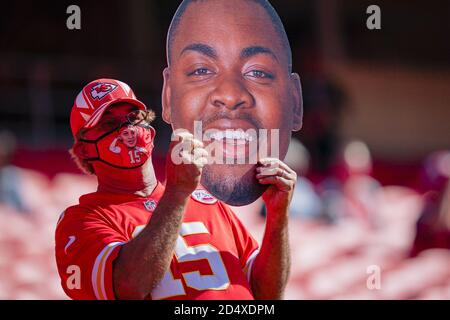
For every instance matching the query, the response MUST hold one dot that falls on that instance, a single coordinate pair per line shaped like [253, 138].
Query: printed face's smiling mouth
[231, 136]
[235, 141]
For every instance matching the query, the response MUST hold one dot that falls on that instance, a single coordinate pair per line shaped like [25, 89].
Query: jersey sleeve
[246, 245]
[85, 248]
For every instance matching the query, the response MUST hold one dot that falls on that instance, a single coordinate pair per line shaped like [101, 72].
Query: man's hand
[282, 181]
[272, 265]
[184, 164]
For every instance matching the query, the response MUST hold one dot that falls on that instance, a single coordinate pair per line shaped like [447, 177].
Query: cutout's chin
[235, 185]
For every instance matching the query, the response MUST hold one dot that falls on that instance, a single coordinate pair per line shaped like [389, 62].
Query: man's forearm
[271, 268]
[143, 261]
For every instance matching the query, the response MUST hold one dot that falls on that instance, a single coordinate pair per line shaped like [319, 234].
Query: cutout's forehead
[230, 23]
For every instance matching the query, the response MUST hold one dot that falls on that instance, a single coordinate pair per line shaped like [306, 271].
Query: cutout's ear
[165, 98]
[296, 88]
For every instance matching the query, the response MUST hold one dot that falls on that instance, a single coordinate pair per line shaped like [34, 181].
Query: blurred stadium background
[373, 155]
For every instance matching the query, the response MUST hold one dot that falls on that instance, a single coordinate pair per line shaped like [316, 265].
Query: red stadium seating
[329, 261]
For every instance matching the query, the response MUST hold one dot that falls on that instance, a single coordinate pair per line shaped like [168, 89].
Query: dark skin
[227, 58]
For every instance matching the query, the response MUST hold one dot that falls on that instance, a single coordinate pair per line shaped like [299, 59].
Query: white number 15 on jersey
[170, 287]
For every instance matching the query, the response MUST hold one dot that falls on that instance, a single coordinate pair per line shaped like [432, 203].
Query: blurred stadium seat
[329, 261]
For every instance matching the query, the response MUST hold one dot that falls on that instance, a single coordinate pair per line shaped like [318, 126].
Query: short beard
[233, 190]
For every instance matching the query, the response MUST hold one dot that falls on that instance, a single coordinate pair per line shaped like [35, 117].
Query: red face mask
[126, 148]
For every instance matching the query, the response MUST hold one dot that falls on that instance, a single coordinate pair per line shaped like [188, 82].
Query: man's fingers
[200, 162]
[274, 172]
[186, 157]
[265, 172]
[199, 157]
[187, 138]
[197, 143]
[269, 171]
[275, 163]
[191, 144]
[279, 182]
[200, 152]
[182, 135]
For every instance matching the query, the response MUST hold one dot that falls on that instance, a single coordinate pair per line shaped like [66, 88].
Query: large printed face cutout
[229, 71]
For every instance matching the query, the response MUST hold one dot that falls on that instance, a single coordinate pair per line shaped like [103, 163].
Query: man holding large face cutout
[135, 238]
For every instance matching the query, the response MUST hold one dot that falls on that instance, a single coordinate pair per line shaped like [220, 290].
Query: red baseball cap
[95, 98]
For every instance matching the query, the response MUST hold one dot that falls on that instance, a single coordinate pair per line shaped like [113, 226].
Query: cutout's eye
[200, 72]
[259, 74]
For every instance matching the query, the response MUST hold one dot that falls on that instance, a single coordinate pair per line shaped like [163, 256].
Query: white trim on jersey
[249, 265]
[98, 271]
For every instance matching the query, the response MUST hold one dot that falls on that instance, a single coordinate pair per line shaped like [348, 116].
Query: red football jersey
[212, 258]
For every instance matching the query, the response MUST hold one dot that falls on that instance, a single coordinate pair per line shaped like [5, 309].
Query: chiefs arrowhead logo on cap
[203, 196]
[95, 98]
[102, 89]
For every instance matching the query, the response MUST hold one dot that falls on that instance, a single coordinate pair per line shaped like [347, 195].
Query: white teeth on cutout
[231, 135]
